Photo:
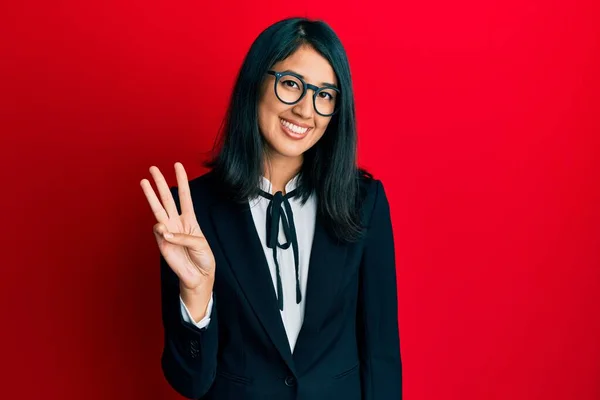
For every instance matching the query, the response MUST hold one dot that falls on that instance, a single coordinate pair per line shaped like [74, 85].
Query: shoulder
[204, 190]
[367, 183]
[204, 181]
[372, 196]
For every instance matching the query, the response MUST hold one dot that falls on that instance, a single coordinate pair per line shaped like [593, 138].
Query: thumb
[160, 229]
[182, 239]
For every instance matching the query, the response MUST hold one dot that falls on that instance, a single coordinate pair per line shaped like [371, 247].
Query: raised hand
[179, 237]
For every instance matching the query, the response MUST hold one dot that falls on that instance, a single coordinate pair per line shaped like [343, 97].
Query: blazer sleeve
[189, 357]
[377, 319]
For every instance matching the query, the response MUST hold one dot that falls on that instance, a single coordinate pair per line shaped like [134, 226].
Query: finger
[165, 193]
[183, 187]
[157, 209]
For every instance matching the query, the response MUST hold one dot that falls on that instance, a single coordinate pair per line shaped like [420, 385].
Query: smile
[298, 130]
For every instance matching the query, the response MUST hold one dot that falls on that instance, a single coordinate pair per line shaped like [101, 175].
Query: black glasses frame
[305, 86]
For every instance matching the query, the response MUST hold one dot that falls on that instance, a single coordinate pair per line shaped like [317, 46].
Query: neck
[279, 170]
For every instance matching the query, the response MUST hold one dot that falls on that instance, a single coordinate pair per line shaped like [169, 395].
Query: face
[290, 130]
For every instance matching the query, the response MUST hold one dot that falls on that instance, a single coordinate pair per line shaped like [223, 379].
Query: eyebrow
[320, 85]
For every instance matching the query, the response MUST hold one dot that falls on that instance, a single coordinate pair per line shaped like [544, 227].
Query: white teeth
[292, 127]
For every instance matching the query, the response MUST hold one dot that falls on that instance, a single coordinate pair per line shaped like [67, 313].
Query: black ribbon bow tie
[275, 213]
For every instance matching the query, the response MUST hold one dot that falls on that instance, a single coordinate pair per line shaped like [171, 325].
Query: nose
[304, 108]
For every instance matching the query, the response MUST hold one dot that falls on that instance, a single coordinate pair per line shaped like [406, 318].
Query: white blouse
[292, 314]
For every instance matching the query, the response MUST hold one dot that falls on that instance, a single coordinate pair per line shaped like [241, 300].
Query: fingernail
[168, 235]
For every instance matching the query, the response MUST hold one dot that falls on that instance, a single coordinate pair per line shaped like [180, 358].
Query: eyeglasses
[290, 88]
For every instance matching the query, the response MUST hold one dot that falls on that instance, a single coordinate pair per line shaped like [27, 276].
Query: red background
[480, 117]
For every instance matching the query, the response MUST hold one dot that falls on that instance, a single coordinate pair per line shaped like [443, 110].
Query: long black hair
[330, 167]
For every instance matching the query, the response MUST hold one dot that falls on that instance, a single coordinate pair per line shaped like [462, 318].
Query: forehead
[310, 64]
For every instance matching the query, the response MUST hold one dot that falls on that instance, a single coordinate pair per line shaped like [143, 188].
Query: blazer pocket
[347, 372]
[235, 378]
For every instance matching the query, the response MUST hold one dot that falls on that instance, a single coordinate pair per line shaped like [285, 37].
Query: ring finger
[157, 209]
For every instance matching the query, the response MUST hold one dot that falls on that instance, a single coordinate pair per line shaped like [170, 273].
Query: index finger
[183, 187]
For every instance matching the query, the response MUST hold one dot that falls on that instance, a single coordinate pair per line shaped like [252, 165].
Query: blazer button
[290, 381]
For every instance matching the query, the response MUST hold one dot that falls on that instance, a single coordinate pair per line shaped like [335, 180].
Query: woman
[277, 266]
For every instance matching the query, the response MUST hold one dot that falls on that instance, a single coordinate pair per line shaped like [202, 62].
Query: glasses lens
[289, 89]
[326, 100]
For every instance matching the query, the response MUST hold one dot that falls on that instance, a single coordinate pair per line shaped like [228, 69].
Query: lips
[292, 130]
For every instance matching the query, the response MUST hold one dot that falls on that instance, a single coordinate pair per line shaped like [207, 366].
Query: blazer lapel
[325, 271]
[242, 247]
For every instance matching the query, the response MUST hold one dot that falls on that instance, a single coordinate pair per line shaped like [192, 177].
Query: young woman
[277, 266]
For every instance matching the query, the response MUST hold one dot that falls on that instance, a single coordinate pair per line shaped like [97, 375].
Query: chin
[281, 145]
[288, 151]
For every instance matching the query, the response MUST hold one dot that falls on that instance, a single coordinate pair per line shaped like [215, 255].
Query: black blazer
[348, 346]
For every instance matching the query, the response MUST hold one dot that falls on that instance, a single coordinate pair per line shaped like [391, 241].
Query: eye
[290, 83]
[326, 95]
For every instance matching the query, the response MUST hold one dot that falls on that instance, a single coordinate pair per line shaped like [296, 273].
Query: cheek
[263, 118]
[268, 113]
